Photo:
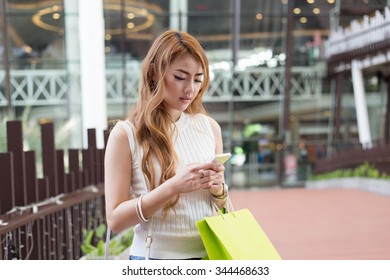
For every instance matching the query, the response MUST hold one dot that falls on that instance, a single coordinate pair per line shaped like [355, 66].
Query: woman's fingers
[207, 178]
[214, 165]
[204, 175]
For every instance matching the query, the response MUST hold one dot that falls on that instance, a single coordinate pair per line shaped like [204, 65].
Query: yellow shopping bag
[236, 236]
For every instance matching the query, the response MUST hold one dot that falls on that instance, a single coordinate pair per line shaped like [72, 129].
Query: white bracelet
[139, 210]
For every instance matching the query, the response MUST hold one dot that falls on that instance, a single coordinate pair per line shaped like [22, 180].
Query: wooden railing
[43, 218]
[378, 156]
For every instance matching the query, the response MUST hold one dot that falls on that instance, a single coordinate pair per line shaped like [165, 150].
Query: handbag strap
[149, 240]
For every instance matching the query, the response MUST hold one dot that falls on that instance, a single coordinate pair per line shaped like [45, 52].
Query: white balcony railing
[49, 87]
[360, 33]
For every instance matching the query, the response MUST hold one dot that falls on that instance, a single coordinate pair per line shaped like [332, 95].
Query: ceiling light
[130, 25]
[145, 18]
[297, 11]
[316, 11]
[37, 18]
[56, 16]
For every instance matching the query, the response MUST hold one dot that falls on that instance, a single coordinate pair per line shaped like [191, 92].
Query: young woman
[159, 170]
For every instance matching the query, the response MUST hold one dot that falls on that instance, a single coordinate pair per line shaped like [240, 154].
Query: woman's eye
[198, 81]
[179, 78]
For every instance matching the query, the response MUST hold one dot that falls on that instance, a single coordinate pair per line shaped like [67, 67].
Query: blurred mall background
[76, 64]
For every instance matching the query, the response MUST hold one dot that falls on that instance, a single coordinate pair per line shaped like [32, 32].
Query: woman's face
[183, 81]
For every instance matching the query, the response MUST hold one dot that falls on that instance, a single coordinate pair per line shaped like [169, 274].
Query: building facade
[76, 63]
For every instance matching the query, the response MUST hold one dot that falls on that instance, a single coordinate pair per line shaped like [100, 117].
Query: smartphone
[222, 158]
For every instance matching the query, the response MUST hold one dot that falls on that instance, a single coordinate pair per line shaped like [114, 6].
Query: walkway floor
[327, 224]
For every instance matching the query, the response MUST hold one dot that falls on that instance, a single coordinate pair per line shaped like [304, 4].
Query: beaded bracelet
[224, 193]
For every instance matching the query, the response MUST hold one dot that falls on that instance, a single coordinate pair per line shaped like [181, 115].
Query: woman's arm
[218, 189]
[215, 127]
[120, 208]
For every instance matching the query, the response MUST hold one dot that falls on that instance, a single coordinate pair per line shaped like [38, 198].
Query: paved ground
[328, 224]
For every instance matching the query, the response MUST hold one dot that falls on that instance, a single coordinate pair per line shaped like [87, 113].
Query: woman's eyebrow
[188, 73]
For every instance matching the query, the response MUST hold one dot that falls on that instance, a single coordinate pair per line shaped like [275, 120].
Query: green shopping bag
[235, 236]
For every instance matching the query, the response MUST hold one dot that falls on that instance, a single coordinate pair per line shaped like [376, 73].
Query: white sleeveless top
[176, 236]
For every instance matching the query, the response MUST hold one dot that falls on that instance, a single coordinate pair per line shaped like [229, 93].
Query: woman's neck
[175, 115]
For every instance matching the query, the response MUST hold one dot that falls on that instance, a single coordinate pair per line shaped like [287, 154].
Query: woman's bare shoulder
[214, 124]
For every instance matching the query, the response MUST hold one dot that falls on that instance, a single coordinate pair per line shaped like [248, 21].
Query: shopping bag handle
[229, 208]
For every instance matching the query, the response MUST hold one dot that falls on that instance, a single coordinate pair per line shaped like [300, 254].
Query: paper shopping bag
[236, 236]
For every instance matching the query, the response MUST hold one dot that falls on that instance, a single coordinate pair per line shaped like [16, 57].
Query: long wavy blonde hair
[154, 126]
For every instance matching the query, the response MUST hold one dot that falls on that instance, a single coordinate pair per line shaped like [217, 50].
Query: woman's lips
[185, 99]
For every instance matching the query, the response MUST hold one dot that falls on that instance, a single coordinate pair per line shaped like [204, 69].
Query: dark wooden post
[15, 145]
[31, 177]
[74, 168]
[89, 157]
[60, 172]
[49, 157]
[7, 182]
